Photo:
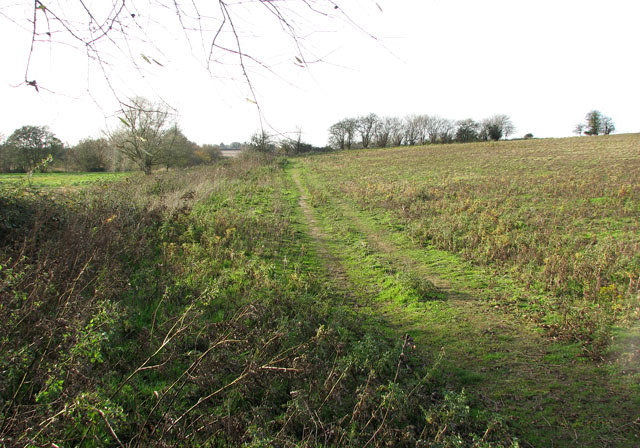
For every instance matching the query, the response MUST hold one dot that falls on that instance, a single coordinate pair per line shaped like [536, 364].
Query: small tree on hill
[593, 123]
[596, 123]
[496, 127]
[608, 126]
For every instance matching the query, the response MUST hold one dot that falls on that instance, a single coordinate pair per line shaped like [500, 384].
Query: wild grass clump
[176, 309]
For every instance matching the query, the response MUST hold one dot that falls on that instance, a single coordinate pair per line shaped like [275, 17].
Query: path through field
[548, 394]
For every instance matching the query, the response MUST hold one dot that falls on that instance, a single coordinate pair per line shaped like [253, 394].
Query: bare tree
[143, 128]
[217, 33]
[496, 127]
[342, 133]
[338, 135]
[447, 130]
[607, 125]
[412, 128]
[433, 125]
[383, 131]
[397, 131]
[365, 127]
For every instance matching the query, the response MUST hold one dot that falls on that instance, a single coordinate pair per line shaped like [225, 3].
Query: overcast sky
[544, 63]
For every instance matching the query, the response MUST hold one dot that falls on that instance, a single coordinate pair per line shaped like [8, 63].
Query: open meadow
[58, 179]
[464, 295]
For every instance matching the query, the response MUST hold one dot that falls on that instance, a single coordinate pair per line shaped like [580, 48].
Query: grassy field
[59, 180]
[195, 309]
[561, 217]
[444, 296]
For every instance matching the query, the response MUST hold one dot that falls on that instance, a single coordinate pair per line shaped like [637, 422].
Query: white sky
[544, 63]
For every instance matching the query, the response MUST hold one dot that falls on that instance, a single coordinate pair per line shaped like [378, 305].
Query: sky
[544, 63]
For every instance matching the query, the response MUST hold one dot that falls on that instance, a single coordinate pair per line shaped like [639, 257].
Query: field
[462, 295]
[58, 180]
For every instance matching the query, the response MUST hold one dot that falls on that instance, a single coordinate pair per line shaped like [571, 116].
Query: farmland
[58, 180]
[477, 295]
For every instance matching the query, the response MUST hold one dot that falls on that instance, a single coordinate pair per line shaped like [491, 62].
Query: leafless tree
[397, 131]
[412, 126]
[383, 130]
[144, 125]
[217, 33]
[365, 127]
[342, 133]
[433, 125]
[338, 135]
[496, 127]
[448, 130]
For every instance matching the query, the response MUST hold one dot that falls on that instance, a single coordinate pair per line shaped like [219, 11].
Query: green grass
[194, 308]
[537, 353]
[459, 295]
[60, 180]
[561, 217]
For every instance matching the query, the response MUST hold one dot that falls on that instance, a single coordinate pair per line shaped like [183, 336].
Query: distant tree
[494, 131]
[496, 127]
[397, 131]
[207, 154]
[91, 155]
[528, 136]
[596, 123]
[607, 125]
[176, 149]
[294, 144]
[508, 128]
[447, 130]
[337, 136]
[579, 129]
[365, 127]
[342, 133]
[350, 126]
[593, 123]
[262, 141]
[467, 131]
[433, 125]
[383, 132]
[419, 127]
[142, 131]
[413, 125]
[27, 146]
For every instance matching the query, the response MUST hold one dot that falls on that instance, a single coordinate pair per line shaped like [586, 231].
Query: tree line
[373, 131]
[147, 137]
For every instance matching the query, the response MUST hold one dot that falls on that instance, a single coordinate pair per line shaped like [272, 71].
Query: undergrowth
[177, 310]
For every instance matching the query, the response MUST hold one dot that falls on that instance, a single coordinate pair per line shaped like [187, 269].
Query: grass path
[549, 394]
